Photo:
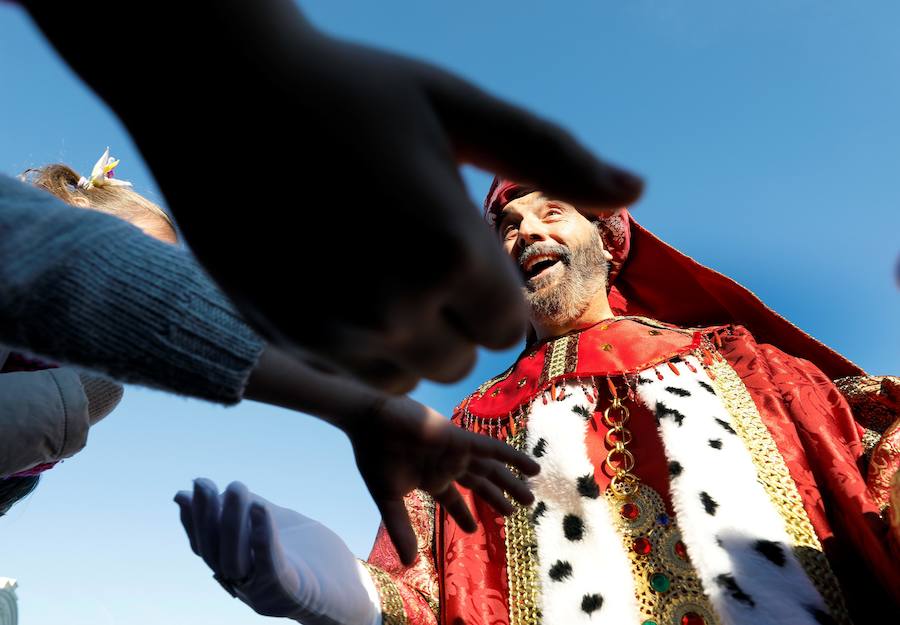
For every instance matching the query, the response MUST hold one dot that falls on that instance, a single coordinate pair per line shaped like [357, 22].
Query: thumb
[497, 136]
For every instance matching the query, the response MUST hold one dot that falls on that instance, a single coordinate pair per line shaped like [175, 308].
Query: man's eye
[509, 231]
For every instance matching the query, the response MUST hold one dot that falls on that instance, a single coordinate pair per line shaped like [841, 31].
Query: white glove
[275, 560]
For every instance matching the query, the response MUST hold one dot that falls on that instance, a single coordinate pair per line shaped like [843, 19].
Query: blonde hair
[123, 202]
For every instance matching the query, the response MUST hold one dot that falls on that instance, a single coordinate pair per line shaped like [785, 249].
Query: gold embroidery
[874, 400]
[521, 559]
[496, 380]
[665, 584]
[425, 544]
[557, 357]
[392, 610]
[776, 479]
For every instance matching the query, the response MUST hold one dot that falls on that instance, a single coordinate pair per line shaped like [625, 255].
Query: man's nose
[531, 230]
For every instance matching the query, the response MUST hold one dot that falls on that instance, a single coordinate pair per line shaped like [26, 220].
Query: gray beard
[583, 276]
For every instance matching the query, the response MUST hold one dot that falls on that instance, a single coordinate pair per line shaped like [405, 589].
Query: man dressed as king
[703, 461]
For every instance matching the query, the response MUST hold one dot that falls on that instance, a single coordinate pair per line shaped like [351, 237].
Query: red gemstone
[641, 546]
[630, 511]
[692, 618]
[681, 550]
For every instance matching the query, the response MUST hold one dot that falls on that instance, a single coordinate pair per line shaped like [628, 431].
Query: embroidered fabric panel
[414, 589]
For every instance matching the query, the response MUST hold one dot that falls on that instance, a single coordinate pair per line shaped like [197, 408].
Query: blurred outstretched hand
[318, 180]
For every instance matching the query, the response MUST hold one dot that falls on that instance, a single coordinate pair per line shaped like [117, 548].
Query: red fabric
[607, 348]
[812, 427]
[472, 568]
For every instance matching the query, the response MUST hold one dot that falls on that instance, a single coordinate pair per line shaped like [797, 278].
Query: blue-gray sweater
[85, 288]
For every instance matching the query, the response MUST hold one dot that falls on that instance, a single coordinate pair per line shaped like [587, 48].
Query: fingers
[484, 301]
[443, 353]
[456, 507]
[267, 557]
[396, 522]
[184, 499]
[234, 545]
[497, 474]
[488, 492]
[503, 138]
[205, 516]
[487, 447]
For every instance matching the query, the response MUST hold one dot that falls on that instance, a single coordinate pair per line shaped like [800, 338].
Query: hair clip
[102, 174]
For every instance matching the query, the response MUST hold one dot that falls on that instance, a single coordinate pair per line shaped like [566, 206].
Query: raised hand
[401, 445]
[318, 180]
[275, 560]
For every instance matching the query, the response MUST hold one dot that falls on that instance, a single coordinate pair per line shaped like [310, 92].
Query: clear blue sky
[770, 138]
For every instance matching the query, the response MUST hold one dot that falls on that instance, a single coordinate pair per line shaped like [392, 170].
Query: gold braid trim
[426, 543]
[521, 560]
[776, 479]
[392, 610]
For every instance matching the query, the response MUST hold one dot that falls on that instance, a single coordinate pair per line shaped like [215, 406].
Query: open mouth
[538, 265]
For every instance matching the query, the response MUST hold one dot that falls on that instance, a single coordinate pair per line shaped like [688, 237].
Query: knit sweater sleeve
[89, 289]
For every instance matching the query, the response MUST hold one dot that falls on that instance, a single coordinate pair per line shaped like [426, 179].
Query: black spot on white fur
[560, 570]
[539, 509]
[540, 448]
[725, 425]
[730, 585]
[587, 486]
[642, 381]
[715, 443]
[822, 617]
[706, 387]
[675, 468]
[591, 603]
[663, 411]
[583, 411]
[709, 504]
[680, 392]
[573, 527]
[772, 551]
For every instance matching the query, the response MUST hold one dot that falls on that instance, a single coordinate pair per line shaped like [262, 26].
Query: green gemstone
[660, 583]
[649, 622]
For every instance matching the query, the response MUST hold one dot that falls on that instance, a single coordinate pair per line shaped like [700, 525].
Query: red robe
[810, 421]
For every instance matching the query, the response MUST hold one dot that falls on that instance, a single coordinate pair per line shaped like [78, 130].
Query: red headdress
[651, 278]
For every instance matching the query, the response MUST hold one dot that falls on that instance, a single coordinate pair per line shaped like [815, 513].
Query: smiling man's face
[559, 252]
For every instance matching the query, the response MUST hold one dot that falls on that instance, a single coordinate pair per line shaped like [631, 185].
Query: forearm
[86, 288]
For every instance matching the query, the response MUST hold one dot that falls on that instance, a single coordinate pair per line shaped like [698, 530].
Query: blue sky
[769, 137]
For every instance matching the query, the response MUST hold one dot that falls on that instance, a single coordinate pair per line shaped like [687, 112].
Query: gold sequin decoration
[521, 559]
[392, 610]
[685, 593]
[776, 479]
[557, 358]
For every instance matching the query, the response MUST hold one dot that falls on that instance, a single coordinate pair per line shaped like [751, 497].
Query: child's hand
[401, 445]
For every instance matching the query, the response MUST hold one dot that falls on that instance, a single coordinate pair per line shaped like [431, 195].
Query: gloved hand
[277, 561]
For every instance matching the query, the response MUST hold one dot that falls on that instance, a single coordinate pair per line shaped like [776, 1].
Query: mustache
[535, 249]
